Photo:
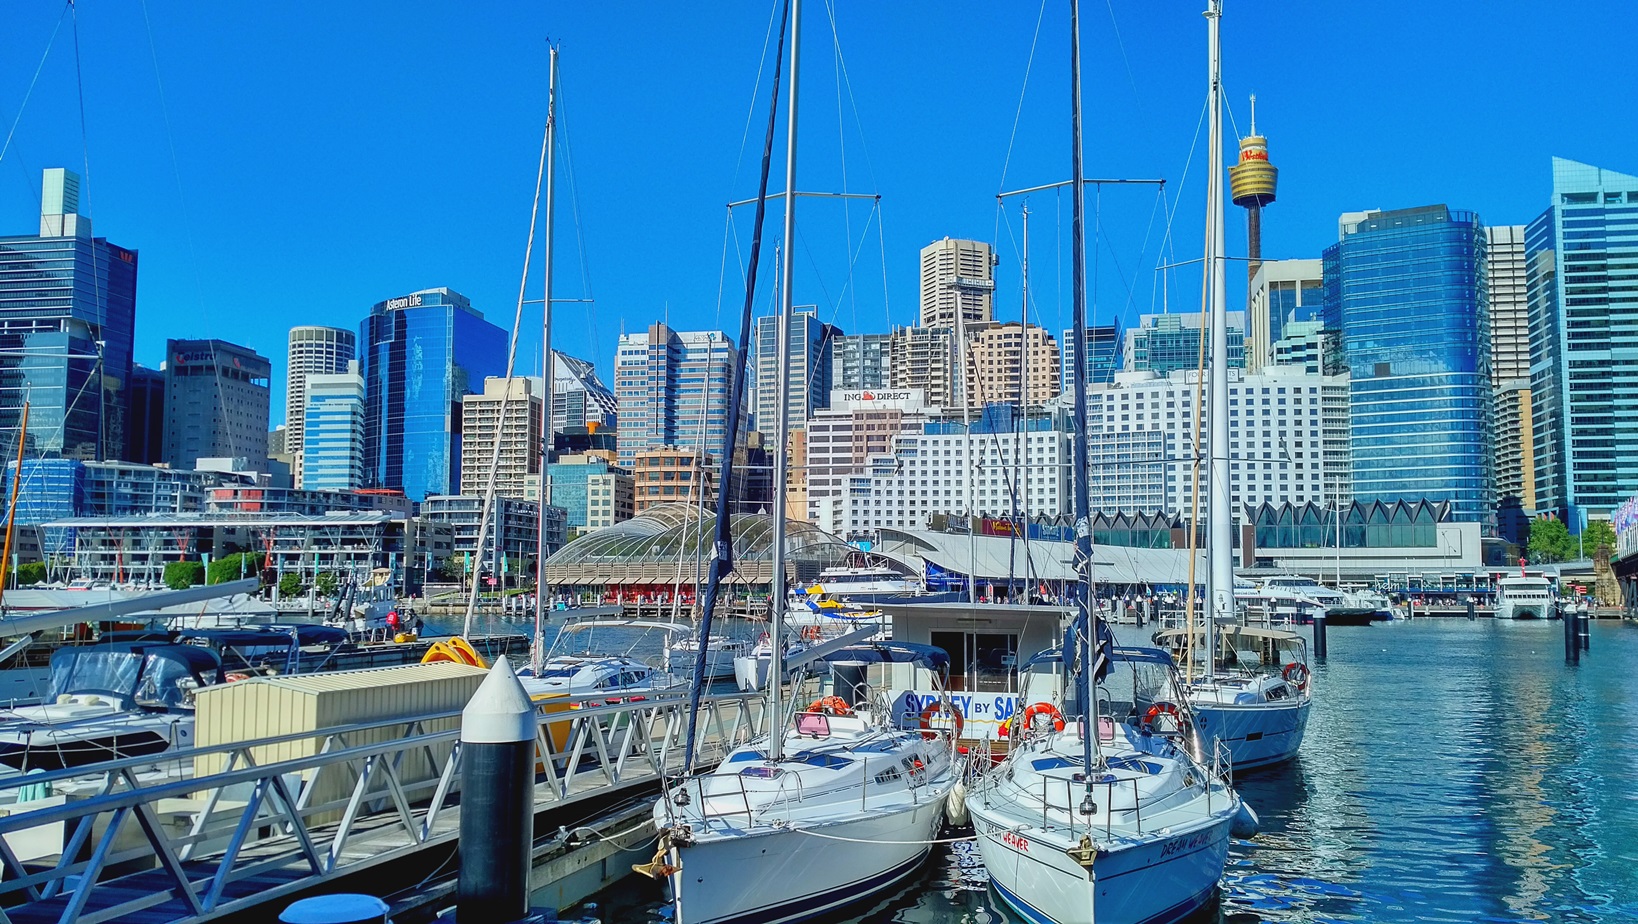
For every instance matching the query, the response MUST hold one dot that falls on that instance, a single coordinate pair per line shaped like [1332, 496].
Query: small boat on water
[1140, 835]
[1525, 597]
[1254, 696]
[578, 666]
[840, 803]
[124, 699]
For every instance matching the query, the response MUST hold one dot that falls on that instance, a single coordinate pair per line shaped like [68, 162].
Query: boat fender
[955, 805]
[936, 709]
[1245, 822]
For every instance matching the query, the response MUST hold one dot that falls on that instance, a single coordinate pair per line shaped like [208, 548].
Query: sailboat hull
[1256, 734]
[787, 874]
[1152, 882]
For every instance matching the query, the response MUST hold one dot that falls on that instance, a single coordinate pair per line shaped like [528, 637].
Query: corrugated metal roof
[365, 678]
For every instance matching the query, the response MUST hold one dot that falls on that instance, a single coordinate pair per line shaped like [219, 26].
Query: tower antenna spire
[1254, 113]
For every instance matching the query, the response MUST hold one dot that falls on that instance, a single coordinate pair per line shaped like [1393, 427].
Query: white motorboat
[1142, 836]
[583, 677]
[844, 806]
[864, 583]
[721, 654]
[108, 701]
[1524, 598]
[1256, 695]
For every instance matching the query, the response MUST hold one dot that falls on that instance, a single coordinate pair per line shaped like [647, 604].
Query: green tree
[1597, 533]
[180, 575]
[30, 572]
[1550, 541]
[232, 567]
[290, 585]
[326, 583]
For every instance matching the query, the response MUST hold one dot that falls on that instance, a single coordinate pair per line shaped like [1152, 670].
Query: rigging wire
[23, 106]
[1018, 115]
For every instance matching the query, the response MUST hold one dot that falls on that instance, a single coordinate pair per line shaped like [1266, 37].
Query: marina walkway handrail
[223, 842]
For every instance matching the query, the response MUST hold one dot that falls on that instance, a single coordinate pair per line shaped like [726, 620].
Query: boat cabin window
[812, 724]
[82, 671]
[980, 662]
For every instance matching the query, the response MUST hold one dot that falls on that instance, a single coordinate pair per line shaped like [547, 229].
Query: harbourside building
[67, 312]
[422, 353]
[1407, 291]
[1001, 357]
[841, 440]
[673, 390]
[1283, 292]
[809, 365]
[1581, 257]
[1510, 363]
[925, 359]
[332, 454]
[579, 397]
[1167, 343]
[508, 411]
[1103, 356]
[1288, 440]
[957, 283]
[511, 540]
[593, 491]
[861, 361]
[216, 402]
[312, 350]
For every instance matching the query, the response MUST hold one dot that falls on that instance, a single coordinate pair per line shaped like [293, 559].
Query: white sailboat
[1254, 700]
[837, 802]
[1089, 820]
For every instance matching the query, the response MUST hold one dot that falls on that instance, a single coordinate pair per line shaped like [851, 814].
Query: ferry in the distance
[1524, 598]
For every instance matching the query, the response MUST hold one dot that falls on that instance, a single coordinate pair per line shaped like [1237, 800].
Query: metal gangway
[212, 832]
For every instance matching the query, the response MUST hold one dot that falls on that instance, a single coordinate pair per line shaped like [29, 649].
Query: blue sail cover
[1116, 654]
[928, 656]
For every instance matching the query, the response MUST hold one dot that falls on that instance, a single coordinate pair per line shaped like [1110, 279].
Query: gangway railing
[145, 836]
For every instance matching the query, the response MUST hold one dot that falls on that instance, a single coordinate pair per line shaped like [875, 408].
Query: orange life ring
[1160, 709]
[830, 705]
[936, 709]
[236, 676]
[1300, 671]
[810, 634]
[1046, 709]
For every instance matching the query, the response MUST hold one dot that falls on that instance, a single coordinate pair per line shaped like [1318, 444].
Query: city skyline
[405, 197]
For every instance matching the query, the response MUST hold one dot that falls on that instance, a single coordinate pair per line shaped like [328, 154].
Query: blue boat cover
[928, 656]
[1118, 653]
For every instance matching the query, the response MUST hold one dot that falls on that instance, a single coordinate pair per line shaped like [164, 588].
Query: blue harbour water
[1453, 771]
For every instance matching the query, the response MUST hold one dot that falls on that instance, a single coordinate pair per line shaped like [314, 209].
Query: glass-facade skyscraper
[672, 389]
[422, 353]
[1581, 259]
[67, 311]
[809, 367]
[1103, 357]
[1407, 291]
[333, 430]
[1165, 343]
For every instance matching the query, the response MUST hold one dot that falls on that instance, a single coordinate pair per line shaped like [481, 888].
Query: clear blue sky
[328, 156]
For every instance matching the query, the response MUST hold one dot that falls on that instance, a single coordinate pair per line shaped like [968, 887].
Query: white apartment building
[1289, 440]
[519, 434]
[957, 281]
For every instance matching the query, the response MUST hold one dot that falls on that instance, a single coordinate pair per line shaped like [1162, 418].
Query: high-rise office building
[1167, 343]
[579, 397]
[422, 353]
[925, 358]
[1103, 356]
[216, 403]
[1510, 363]
[1406, 289]
[957, 281]
[1581, 256]
[861, 361]
[809, 367]
[145, 420]
[672, 388]
[1282, 292]
[1001, 356]
[332, 449]
[67, 311]
[312, 350]
[511, 414]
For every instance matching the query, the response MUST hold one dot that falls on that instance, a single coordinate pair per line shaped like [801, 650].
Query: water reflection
[1453, 771]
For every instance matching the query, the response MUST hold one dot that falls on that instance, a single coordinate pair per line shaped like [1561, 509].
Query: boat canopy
[928, 656]
[134, 673]
[1117, 653]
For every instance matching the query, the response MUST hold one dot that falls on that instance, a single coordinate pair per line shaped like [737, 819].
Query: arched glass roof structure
[673, 532]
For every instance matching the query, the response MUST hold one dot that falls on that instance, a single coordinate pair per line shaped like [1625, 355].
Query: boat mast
[11, 508]
[1084, 632]
[1220, 576]
[776, 596]
[549, 364]
[1021, 448]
